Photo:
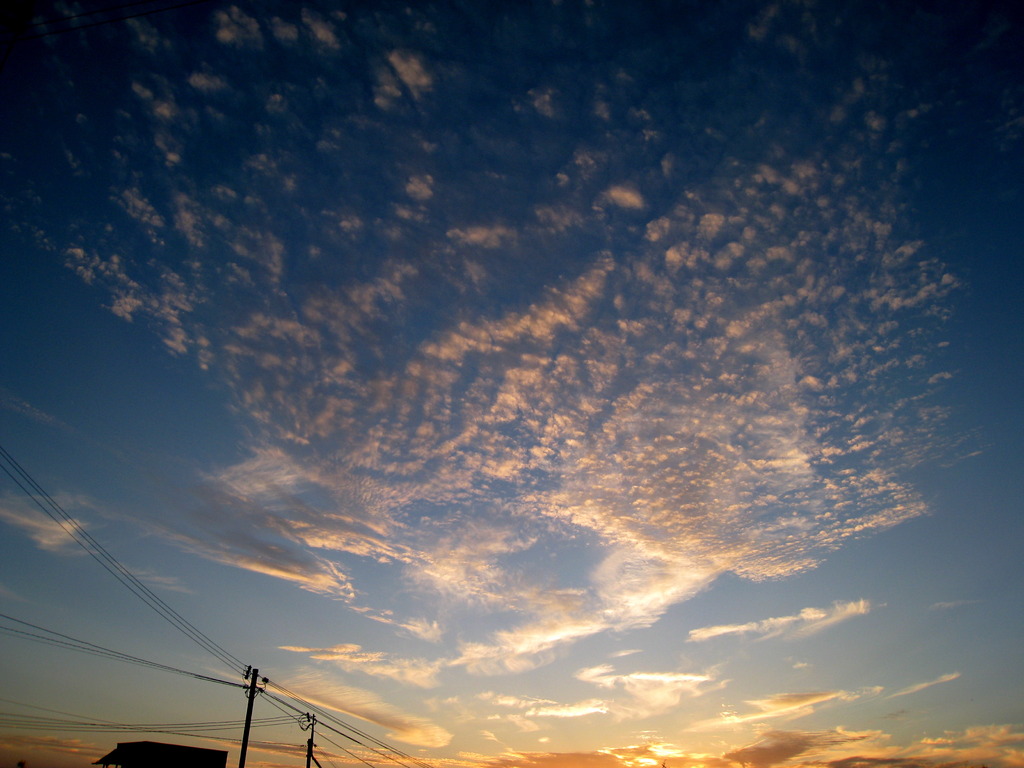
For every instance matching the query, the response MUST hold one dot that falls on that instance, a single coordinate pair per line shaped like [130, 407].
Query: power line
[84, 539]
[76, 27]
[20, 21]
[99, 553]
[37, 723]
[94, 12]
[347, 751]
[386, 751]
[60, 640]
[281, 705]
[80, 723]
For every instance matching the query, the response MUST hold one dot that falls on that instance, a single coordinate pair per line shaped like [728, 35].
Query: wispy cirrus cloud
[576, 709]
[11, 402]
[647, 692]
[787, 706]
[349, 656]
[47, 533]
[947, 678]
[808, 621]
[951, 604]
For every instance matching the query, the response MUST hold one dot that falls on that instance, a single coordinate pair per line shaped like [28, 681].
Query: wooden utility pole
[309, 741]
[252, 675]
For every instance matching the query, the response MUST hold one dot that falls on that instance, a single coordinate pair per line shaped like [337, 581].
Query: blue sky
[548, 384]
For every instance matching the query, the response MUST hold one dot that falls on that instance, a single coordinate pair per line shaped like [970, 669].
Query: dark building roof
[153, 754]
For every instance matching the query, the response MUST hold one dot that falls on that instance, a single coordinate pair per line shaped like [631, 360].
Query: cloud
[15, 746]
[284, 31]
[776, 747]
[464, 563]
[578, 709]
[518, 702]
[555, 760]
[743, 488]
[949, 677]
[367, 706]
[624, 196]
[409, 68]
[15, 404]
[420, 188]
[47, 534]
[636, 584]
[785, 703]
[483, 236]
[531, 644]
[808, 621]
[160, 581]
[449, 384]
[351, 657]
[789, 706]
[206, 82]
[236, 28]
[167, 306]
[424, 629]
[320, 30]
[950, 604]
[544, 101]
[797, 748]
[260, 551]
[649, 692]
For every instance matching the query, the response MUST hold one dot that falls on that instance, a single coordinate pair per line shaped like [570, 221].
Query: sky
[528, 385]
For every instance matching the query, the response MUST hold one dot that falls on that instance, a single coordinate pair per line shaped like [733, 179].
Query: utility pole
[252, 675]
[309, 741]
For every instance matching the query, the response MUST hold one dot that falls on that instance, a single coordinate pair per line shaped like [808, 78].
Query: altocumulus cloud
[475, 348]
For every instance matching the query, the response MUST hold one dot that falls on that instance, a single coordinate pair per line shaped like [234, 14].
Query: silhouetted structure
[153, 754]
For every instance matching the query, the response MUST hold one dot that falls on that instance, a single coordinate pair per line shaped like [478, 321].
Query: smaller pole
[309, 741]
[253, 675]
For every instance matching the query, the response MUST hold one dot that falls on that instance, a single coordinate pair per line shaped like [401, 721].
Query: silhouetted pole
[309, 741]
[252, 675]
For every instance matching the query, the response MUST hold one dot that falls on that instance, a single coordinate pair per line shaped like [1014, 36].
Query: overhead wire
[98, 552]
[200, 729]
[20, 23]
[80, 723]
[281, 705]
[93, 12]
[61, 640]
[347, 751]
[88, 25]
[385, 751]
[38, 723]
